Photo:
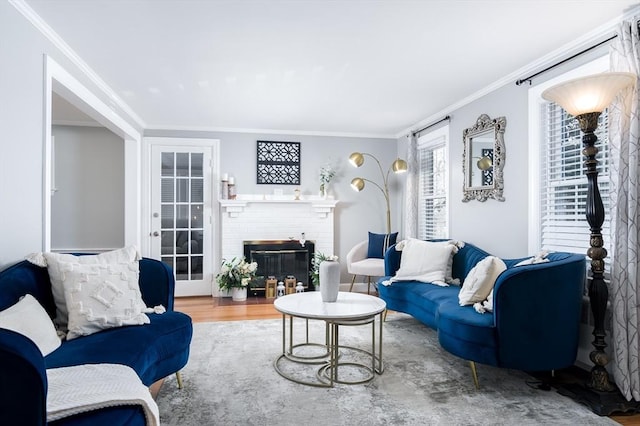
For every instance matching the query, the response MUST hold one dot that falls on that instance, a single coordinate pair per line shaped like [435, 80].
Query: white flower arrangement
[237, 273]
[326, 174]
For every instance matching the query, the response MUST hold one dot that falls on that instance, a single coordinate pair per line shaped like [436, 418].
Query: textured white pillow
[480, 280]
[29, 318]
[425, 261]
[52, 261]
[101, 296]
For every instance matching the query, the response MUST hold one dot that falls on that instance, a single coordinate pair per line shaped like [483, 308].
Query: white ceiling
[332, 67]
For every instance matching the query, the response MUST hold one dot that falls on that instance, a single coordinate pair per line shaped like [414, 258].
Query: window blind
[432, 196]
[563, 186]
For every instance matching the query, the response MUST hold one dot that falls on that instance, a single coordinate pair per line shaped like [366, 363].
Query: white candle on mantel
[232, 181]
[225, 176]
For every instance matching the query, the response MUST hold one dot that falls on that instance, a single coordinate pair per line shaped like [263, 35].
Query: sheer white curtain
[624, 122]
[411, 189]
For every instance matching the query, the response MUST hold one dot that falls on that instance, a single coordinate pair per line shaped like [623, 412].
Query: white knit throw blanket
[88, 387]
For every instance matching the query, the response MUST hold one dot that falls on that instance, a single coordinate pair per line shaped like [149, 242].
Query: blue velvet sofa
[535, 321]
[153, 350]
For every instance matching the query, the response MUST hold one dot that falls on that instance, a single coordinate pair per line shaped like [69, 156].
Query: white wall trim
[59, 43]
[561, 53]
[535, 138]
[75, 123]
[153, 128]
[59, 80]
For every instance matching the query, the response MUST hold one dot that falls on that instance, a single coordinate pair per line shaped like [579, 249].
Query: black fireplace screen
[280, 259]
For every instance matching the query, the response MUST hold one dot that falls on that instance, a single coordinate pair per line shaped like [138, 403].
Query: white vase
[323, 191]
[329, 280]
[239, 294]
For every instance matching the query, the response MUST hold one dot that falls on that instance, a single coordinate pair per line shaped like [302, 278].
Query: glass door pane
[182, 209]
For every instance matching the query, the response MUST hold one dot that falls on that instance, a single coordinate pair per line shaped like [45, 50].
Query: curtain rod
[523, 80]
[431, 125]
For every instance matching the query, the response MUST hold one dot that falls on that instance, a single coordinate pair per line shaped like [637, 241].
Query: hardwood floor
[206, 309]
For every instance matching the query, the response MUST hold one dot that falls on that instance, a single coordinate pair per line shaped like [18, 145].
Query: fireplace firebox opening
[280, 259]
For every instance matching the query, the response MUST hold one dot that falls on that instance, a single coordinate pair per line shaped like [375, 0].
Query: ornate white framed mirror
[483, 159]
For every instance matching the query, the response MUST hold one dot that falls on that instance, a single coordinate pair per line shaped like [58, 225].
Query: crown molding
[156, 128]
[75, 59]
[590, 38]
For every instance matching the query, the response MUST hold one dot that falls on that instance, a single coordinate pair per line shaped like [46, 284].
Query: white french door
[181, 211]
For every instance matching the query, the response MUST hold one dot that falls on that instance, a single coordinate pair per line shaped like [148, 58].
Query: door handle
[156, 234]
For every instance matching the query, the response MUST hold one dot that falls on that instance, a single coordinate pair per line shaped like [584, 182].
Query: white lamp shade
[589, 94]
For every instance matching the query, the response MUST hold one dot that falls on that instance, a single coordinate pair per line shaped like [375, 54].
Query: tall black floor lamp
[585, 98]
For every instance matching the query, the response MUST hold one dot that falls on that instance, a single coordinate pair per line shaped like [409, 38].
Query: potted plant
[235, 275]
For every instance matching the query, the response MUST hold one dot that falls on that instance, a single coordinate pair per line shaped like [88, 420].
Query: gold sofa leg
[179, 379]
[353, 280]
[368, 284]
[384, 315]
[474, 373]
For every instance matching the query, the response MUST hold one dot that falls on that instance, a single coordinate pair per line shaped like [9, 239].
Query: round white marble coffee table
[350, 309]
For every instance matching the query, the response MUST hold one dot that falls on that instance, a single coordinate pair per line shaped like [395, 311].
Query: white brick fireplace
[252, 218]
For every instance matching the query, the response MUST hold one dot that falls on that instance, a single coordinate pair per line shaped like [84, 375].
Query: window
[432, 185]
[558, 181]
[563, 194]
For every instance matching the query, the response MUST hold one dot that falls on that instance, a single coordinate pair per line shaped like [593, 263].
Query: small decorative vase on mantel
[329, 280]
[323, 191]
[239, 294]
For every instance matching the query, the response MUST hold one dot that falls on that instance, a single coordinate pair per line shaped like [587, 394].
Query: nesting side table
[350, 309]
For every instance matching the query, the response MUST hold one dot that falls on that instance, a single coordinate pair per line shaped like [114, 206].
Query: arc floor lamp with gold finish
[399, 166]
[585, 98]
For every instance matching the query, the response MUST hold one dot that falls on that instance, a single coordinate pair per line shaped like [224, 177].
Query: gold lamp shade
[589, 94]
[484, 163]
[356, 159]
[399, 166]
[357, 184]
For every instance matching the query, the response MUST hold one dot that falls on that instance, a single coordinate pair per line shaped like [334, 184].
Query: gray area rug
[230, 380]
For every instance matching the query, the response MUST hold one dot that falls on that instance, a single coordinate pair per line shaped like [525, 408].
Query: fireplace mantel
[275, 217]
[233, 208]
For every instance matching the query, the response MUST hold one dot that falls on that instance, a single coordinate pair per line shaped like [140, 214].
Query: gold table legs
[329, 360]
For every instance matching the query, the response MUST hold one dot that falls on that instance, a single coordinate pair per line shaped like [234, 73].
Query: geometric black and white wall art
[278, 163]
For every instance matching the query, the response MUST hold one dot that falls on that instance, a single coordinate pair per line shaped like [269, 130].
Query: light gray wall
[355, 214]
[21, 129]
[501, 228]
[21, 126]
[497, 227]
[88, 205]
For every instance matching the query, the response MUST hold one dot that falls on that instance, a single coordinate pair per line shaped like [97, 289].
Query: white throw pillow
[29, 318]
[480, 280]
[52, 261]
[425, 261]
[101, 296]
